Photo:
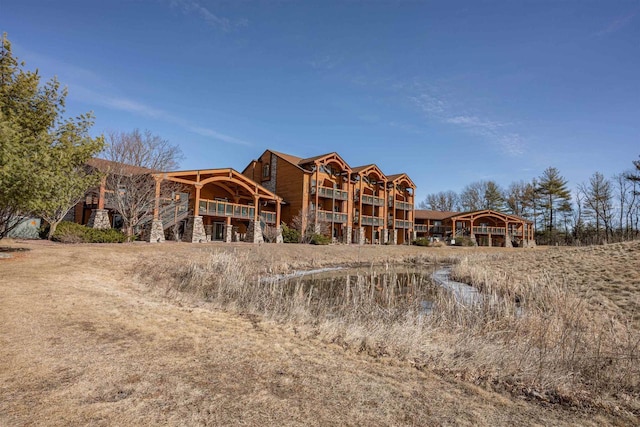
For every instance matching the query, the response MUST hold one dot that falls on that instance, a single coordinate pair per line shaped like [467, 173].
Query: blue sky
[450, 92]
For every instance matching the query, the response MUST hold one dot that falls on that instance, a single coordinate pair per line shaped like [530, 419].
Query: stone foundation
[99, 219]
[227, 235]
[385, 236]
[254, 233]
[347, 235]
[507, 241]
[156, 235]
[194, 230]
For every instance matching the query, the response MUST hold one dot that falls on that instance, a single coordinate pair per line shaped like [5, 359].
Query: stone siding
[157, 232]
[99, 219]
[194, 231]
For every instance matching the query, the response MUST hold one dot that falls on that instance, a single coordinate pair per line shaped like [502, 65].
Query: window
[266, 171]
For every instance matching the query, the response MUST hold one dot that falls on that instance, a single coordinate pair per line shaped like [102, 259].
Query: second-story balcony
[330, 193]
[403, 206]
[328, 216]
[224, 209]
[371, 200]
[371, 220]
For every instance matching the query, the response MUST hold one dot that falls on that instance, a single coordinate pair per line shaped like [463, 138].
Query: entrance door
[218, 231]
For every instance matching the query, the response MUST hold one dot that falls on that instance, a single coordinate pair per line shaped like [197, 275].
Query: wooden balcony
[371, 220]
[226, 209]
[331, 193]
[431, 229]
[328, 216]
[268, 217]
[500, 231]
[403, 224]
[403, 206]
[370, 200]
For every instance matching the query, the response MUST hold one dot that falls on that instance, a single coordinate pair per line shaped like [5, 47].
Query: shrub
[109, 235]
[70, 232]
[422, 241]
[290, 235]
[463, 241]
[320, 239]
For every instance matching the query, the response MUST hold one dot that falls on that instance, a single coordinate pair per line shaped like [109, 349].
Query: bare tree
[134, 157]
[482, 195]
[598, 201]
[305, 224]
[443, 201]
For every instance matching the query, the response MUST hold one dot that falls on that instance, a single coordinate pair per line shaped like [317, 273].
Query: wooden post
[278, 212]
[315, 224]
[103, 185]
[156, 206]
[196, 207]
[256, 203]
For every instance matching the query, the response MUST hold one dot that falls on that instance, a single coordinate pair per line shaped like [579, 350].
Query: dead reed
[531, 334]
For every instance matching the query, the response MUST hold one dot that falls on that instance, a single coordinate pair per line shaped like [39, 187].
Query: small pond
[371, 287]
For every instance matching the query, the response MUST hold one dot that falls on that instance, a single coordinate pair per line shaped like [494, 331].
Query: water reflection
[373, 287]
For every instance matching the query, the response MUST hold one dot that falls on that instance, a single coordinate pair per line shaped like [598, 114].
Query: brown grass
[85, 342]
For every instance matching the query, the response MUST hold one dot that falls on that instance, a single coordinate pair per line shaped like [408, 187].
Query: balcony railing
[489, 230]
[432, 229]
[403, 206]
[328, 216]
[220, 208]
[372, 200]
[330, 193]
[372, 220]
[268, 217]
[403, 224]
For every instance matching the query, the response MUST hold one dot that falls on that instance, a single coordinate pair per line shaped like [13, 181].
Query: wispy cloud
[617, 24]
[326, 62]
[193, 7]
[135, 107]
[443, 110]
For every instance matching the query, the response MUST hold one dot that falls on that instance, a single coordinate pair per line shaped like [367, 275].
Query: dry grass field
[123, 335]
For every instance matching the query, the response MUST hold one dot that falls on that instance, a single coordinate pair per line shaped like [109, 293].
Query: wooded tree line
[602, 210]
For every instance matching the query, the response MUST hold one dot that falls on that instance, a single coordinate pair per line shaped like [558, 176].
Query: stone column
[157, 232]
[414, 235]
[385, 236]
[279, 238]
[99, 219]
[507, 240]
[361, 238]
[194, 231]
[347, 235]
[228, 233]
[254, 233]
[394, 237]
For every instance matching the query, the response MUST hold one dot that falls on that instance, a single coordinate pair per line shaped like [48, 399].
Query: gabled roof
[490, 212]
[400, 176]
[363, 169]
[435, 215]
[294, 160]
[109, 166]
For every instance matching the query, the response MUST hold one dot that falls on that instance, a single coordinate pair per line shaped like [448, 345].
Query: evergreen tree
[553, 192]
[40, 153]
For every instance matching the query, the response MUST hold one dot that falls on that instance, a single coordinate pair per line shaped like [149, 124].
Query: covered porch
[224, 205]
[491, 228]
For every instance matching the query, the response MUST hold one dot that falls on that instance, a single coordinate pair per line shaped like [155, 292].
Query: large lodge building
[359, 205]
